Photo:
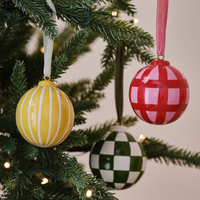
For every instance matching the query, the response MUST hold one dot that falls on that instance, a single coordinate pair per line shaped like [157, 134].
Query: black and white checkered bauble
[118, 159]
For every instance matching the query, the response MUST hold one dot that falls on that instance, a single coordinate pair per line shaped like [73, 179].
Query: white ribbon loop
[48, 45]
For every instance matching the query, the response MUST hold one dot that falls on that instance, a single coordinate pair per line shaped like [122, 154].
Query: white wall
[160, 182]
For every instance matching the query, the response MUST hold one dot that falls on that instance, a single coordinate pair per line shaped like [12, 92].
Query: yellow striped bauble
[45, 115]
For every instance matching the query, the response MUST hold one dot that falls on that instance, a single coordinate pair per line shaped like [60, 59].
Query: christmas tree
[84, 21]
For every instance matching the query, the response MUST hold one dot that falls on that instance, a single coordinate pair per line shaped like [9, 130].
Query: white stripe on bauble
[39, 114]
[68, 120]
[21, 116]
[59, 119]
[154, 74]
[50, 113]
[144, 163]
[170, 74]
[29, 107]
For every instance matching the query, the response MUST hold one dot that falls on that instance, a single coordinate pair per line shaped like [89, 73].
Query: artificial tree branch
[159, 151]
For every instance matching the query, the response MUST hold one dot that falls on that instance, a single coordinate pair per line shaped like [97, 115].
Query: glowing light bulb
[89, 193]
[42, 49]
[142, 138]
[135, 20]
[44, 181]
[114, 13]
[7, 165]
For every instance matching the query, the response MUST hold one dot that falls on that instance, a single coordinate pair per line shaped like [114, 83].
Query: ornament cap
[160, 62]
[119, 128]
[47, 83]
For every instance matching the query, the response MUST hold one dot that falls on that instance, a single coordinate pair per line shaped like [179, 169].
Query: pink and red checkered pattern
[159, 93]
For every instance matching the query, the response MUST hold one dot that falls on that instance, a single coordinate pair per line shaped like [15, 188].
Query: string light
[42, 49]
[142, 138]
[89, 193]
[7, 165]
[135, 20]
[44, 181]
[114, 13]
[111, 13]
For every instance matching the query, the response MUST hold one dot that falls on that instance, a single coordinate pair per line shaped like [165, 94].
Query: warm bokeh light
[89, 193]
[142, 138]
[7, 164]
[114, 13]
[135, 20]
[42, 49]
[44, 181]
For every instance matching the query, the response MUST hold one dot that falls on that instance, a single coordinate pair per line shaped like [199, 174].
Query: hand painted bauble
[45, 115]
[159, 93]
[118, 159]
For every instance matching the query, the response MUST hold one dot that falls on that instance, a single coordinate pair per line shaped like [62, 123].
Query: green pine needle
[18, 80]
[39, 12]
[158, 150]
[69, 54]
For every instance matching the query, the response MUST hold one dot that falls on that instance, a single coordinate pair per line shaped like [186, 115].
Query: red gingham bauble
[159, 93]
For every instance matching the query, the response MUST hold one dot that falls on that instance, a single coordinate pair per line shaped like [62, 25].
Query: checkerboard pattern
[159, 93]
[119, 160]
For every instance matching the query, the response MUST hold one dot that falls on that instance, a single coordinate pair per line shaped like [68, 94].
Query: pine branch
[126, 7]
[7, 123]
[94, 134]
[28, 151]
[85, 106]
[93, 94]
[142, 55]
[69, 169]
[68, 54]
[14, 35]
[8, 144]
[75, 138]
[64, 7]
[75, 89]
[101, 81]
[84, 181]
[115, 31]
[108, 57]
[17, 185]
[83, 139]
[85, 95]
[129, 121]
[37, 193]
[62, 197]
[92, 36]
[39, 12]
[158, 150]
[18, 80]
[108, 28]
[63, 37]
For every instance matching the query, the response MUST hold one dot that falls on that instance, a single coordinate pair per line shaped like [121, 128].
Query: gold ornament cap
[47, 83]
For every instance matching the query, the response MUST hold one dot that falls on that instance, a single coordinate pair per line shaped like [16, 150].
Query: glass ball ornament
[118, 159]
[159, 93]
[45, 115]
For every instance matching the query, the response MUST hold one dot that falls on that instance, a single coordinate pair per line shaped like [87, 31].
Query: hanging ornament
[159, 93]
[118, 159]
[45, 114]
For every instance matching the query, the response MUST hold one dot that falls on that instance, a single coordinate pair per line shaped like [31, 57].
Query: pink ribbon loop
[161, 23]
